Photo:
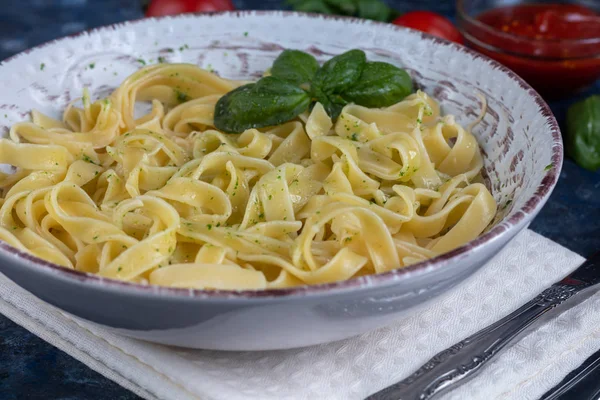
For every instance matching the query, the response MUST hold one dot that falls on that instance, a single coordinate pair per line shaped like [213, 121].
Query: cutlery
[582, 384]
[460, 362]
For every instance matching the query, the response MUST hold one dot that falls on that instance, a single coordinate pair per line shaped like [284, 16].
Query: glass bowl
[555, 67]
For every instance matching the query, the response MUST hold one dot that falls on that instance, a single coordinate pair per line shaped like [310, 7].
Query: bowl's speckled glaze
[519, 137]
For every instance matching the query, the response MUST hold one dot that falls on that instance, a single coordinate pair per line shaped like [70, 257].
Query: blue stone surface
[32, 369]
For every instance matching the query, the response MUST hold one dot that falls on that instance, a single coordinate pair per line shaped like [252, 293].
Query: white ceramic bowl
[519, 138]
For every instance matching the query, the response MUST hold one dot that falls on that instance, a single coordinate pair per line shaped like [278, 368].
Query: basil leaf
[343, 7]
[316, 6]
[370, 9]
[270, 101]
[380, 85]
[583, 132]
[334, 109]
[340, 72]
[332, 103]
[374, 9]
[295, 66]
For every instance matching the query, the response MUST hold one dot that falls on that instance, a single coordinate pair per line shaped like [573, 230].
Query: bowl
[519, 137]
[555, 67]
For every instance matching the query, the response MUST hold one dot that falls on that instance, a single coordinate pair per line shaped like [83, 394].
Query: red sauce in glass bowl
[555, 47]
[545, 21]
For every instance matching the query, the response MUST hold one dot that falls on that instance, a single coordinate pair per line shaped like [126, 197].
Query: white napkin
[357, 367]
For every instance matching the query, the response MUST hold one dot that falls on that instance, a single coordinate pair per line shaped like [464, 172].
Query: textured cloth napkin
[357, 367]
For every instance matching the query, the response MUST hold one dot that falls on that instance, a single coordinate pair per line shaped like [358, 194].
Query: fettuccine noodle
[167, 199]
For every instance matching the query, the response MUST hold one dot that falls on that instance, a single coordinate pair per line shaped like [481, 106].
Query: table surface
[33, 369]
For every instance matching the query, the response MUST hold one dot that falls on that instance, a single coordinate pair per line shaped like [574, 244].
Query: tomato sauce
[545, 21]
[555, 47]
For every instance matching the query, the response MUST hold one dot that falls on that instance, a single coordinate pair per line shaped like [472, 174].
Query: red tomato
[430, 22]
[172, 7]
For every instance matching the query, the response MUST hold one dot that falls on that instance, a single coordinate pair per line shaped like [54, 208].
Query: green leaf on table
[380, 85]
[370, 9]
[374, 9]
[344, 7]
[340, 72]
[295, 66]
[270, 101]
[315, 6]
[583, 132]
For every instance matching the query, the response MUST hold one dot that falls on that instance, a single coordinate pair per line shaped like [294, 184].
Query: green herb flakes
[182, 97]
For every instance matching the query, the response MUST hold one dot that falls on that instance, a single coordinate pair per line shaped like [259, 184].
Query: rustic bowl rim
[514, 223]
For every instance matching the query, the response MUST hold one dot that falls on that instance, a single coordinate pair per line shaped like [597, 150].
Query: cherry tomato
[432, 23]
[172, 7]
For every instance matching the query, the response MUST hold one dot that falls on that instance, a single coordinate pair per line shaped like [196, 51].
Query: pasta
[166, 199]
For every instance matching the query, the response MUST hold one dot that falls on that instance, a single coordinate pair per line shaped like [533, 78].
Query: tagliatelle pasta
[167, 199]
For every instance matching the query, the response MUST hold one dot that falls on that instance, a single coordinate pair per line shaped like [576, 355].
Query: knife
[582, 384]
[462, 361]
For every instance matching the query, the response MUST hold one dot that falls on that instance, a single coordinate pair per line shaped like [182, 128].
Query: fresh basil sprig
[583, 132]
[341, 72]
[295, 66]
[296, 81]
[375, 10]
[370, 9]
[336, 76]
[380, 85]
[270, 101]
[333, 103]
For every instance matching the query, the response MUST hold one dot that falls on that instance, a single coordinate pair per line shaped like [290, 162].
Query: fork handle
[464, 359]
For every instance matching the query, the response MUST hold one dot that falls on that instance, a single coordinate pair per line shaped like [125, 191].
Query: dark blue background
[32, 369]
